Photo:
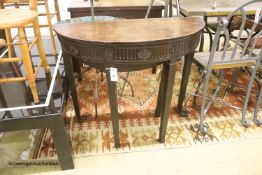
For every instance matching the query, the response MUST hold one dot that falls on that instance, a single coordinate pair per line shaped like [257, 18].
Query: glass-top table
[18, 112]
[16, 99]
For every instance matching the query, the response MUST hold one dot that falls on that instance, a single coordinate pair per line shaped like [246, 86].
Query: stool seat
[20, 19]
[11, 18]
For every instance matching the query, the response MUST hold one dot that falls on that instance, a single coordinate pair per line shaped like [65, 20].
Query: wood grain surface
[132, 30]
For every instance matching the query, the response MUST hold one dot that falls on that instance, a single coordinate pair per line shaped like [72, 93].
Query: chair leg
[234, 80]
[198, 86]
[210, 38]
[52, 38]
[244, 121]
[28, 64]
[255, 119]
[203, 128]
[124, 84]
[40, 46]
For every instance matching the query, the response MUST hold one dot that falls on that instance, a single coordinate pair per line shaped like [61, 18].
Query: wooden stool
[2, 43]
[49, 15]
[20, 18]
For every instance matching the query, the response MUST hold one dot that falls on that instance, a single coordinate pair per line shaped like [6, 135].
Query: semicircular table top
[132, 30]
[131, 45]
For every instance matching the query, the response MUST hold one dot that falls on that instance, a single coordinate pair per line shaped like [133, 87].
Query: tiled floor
[235, 158]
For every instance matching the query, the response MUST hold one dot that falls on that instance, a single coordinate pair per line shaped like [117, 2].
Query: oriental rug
[138, 126]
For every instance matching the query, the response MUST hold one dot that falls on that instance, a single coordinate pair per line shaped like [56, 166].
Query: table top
[205, 7]
[122, 31]
[109, 4]
[16, 99]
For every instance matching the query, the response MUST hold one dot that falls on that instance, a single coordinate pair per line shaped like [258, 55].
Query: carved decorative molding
[73, 50]
[144, 54]
[156, 52]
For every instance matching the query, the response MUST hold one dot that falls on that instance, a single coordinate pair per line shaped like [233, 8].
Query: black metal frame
[53, 121]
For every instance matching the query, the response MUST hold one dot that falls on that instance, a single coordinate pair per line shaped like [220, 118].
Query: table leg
[4, 104]
[71, 81]
[62, 145]
[112, 93]
[201, 46]
[185, 77]
[169, 72]
[159, 96]
[77, 68]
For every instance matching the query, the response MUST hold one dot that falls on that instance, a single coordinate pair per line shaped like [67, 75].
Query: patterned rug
[138, 126]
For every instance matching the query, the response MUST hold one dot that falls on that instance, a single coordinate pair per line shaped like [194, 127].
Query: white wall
[63, 4]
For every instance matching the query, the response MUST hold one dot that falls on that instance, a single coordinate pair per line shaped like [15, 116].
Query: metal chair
[238, 57]
[257, 121]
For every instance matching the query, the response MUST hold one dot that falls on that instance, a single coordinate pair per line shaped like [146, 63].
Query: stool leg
[11, 52]
[28, 64]
[9, 40]
[40, 47]
[58, 18]
[50, 28]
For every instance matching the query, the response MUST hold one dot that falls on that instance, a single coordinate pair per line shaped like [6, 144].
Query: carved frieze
[156, 52]
[144, 54]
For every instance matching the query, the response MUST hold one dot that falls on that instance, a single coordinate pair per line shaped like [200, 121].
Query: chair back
[223, 29]
[168, 8]
[178, 7]
[32, 3]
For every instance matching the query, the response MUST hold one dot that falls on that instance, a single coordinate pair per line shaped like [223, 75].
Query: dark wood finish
[20, 114]
[185, 77]
[159, 100]
[117, 8]
[112, 90]
[121, 32]
[70, 76]
[169, 72]
[55, 123]
[105, 44]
